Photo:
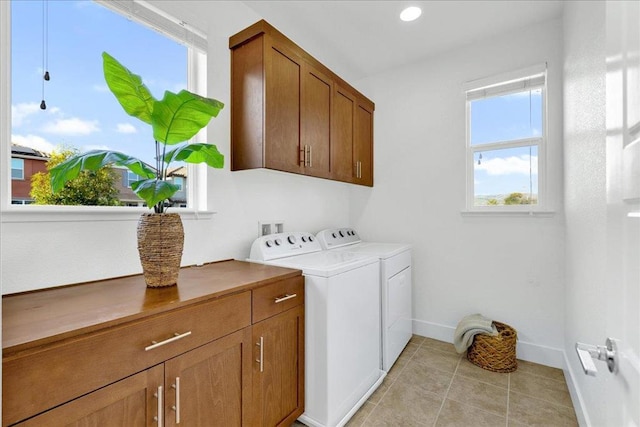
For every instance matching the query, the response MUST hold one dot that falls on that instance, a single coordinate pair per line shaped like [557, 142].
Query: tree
[517, 199]
[91, 188]
[492, 202]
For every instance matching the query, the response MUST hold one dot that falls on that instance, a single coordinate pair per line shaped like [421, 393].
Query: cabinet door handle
[176, 407]
[285, 297]
[310, 157]
[160, 407]
[176, 336]
[303, 156]
[261, 359]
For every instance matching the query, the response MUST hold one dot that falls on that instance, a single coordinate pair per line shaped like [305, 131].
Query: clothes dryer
[342, 323]
[395, 286]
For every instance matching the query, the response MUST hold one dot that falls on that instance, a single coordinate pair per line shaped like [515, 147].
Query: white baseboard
[530, 352]
[576, 397]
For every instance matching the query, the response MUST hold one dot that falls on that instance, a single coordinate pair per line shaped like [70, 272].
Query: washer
[342, 323]
[395, 285]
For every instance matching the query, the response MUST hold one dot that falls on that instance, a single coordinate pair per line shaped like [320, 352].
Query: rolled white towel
[468, 327]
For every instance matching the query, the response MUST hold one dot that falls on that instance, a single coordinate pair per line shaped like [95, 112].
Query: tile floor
[431, 385]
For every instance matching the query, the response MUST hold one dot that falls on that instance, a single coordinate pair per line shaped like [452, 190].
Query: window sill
[496, 213]
[31, 213]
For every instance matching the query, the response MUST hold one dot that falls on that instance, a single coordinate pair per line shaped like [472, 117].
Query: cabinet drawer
[277, 297]
[57, 373]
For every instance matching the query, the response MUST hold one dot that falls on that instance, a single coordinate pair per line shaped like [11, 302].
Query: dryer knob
[341, 234]
[304, 238]
[269, 243]
[291, 239]
[311, 238]
[278, 242]
[334, 235]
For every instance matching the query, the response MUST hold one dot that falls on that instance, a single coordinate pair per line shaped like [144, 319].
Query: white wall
[585, 193]
[507, 268]
[43, 254]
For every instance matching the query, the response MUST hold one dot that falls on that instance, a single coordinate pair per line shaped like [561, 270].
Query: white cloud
[33, 141]
[126, 128]
[103, 88]
[72, 126]
[90, 147]
[509, 165]
[20, 112]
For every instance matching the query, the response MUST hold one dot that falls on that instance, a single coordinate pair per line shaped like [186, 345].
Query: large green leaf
[93, 161]
[178, 117]
[131, 93]
[154, 191]
[197, 153]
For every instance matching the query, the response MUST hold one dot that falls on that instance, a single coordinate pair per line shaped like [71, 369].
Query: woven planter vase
[160, 243]
[496, 354]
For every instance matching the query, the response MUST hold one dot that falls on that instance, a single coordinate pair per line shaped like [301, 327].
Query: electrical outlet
[265, 228]
[278, 227]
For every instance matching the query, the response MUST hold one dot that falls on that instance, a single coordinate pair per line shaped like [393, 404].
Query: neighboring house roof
[27, 151]
[179, 171]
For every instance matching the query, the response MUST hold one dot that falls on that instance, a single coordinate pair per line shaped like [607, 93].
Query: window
[17, 168]
[81, 112]
[131, 178]
[179, 181]
[506, 133]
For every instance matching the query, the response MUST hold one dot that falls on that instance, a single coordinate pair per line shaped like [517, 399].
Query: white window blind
[146, 14]
[527, 83]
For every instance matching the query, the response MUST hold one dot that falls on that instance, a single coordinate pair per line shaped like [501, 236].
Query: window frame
[506, 80]
[196, 82]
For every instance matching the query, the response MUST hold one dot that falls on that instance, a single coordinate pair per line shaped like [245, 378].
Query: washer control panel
[337, 237]
[280, 245]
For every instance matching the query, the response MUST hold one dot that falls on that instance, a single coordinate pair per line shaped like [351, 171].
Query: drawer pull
[176, 337]
[285, 297]
[158, 418]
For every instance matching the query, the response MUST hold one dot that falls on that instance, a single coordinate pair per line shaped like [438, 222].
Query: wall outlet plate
[270, 227]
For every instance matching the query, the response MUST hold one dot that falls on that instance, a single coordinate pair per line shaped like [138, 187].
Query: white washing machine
[395, 286]
[342, 323]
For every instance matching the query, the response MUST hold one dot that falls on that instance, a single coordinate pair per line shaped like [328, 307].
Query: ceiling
[361, 38]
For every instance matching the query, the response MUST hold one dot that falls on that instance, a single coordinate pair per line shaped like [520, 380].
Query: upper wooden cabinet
[291, 113]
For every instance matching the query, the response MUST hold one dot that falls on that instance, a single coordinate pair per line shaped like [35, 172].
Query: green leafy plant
[174, 119]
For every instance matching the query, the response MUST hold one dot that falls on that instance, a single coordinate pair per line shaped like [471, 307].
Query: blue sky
[81, 111]
[500, 118]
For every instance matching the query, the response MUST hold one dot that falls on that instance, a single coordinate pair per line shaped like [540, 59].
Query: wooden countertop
[36, 318]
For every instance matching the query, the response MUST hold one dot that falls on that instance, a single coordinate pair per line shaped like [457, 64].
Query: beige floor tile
[417, 339]
[410, 349]
[530, 411]
[358, 419]
[428, 379]
[541, 387]
[442, 360]
[398, 366]
[480, 395]
[541, 370]
[469, 370]
[455, 414]
[405, 405]
[380, 391]
[439, 345]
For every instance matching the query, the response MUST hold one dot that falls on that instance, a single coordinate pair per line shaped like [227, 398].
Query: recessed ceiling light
[411, 13]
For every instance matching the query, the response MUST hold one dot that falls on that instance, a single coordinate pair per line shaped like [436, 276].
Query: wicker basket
[495, 353]
[160, 244]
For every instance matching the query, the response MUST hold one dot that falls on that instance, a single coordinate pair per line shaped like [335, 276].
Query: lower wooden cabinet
[278, 371]
[234, 360]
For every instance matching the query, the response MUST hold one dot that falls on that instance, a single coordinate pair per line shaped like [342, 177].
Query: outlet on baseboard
[270, 227]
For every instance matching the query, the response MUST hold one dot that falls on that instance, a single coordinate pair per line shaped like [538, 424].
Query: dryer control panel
[281, 245]
[337, 237]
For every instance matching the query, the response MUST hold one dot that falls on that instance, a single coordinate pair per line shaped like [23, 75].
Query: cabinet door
[363, 144]
[315, 121]
[210, 385]
[132, 401]
[342, 137]
[278, 372]
[282, 109]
